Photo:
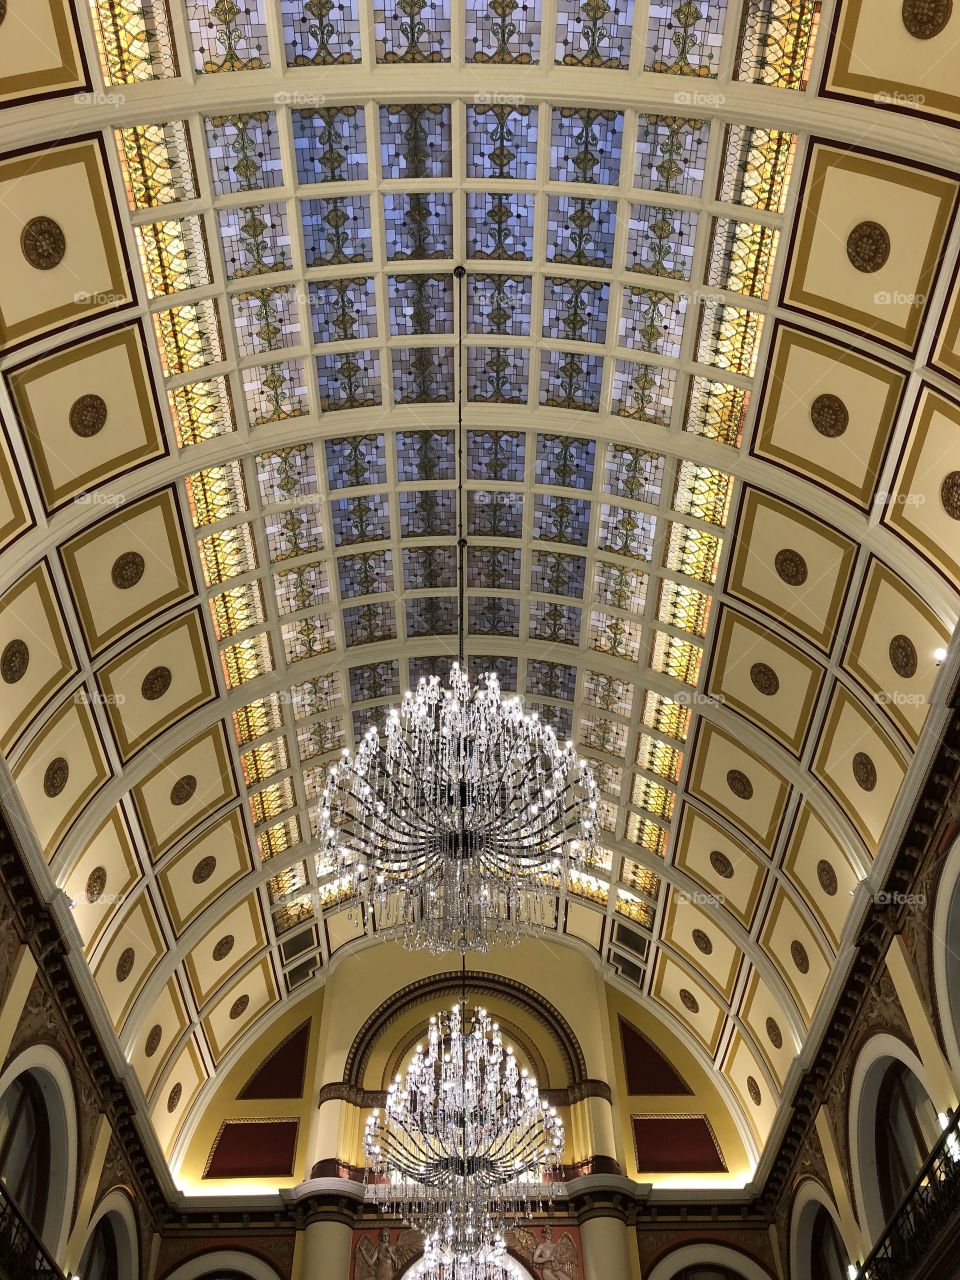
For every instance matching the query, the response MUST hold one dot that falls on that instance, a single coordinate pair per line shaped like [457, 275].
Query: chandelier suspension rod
[460, 274]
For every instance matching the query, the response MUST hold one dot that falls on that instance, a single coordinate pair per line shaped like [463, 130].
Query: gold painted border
[161, 1060]
[753, 499]
[97, 754]
[689, 815]
[234, 820]
[21, 517]
[704, 744]
[730, 619]
[39, 575]
[97, 640]
[656, 992]
[747, 1106]
[794, 292]
[787, 339]
[68, 43]
[203, 997]
[877, 573]
[894, 517]
[128, 747]
[21, 381]
[247, 1177]
[155, 848]
[219, 1051]
[840, 698]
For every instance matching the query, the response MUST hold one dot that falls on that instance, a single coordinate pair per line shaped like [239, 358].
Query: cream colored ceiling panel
[60, 771]
[767, 1022]
[891, 651]
[702, 940]
[860, 765]
[231, 941]
[182, 790]
[818, 866]
[89, 415]
[732, 875]
[101, 879]
[690, 1000]
[739, 784]
[205, 869]
[946, 348]
[184, 1081]
[40, 51]
[157, 682]
[342, 927]
[128, 567]
[584, 924]
[66, 260]
[791, 565]
[764, 678]
[162, 1026]
[35, 652]
[869, 236]
[827, 413]
[924, 505]
[741, 1068]
[136, 946]
[795, 949]
[896, 57]
[240, 1007]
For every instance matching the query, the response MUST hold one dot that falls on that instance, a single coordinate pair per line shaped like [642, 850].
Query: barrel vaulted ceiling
[710, 395]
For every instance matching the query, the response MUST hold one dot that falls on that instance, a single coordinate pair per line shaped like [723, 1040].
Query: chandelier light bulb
[458, 823]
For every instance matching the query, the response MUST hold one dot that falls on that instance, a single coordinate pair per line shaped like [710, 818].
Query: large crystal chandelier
[457, 824]
[466, 1145]
[444, 1259]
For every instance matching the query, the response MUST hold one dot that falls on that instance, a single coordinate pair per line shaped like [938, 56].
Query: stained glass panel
[157, 164]
[594, 34]
[227, 36]
[244, 152]
[585, 145]
[501, 140]
[318, 33]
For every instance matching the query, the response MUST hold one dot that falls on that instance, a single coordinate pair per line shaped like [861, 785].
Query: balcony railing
[22, 1256]
[929, 1206]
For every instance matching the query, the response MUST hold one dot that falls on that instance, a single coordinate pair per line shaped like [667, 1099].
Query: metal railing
[924, 1213]
[22, 1255]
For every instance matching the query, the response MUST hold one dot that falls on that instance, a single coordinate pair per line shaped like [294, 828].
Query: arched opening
[38, 1142]
[707, 1273]
[25, 1149]
[224, 1264]
[906, 1130]
[101, 1257]
[817, 1249]
[828, 1256]
[946, 960]
[707, 1262]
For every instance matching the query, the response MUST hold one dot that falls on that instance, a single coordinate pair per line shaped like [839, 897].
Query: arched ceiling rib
[709, 396]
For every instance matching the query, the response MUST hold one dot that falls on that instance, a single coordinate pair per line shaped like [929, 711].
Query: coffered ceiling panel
[157, 682]
[740, 784]
[827, 412]
[822, 871]
[695, 934]
[894, 638]
[231, 940]
[924, 506]
[127, 567]
[239, 1007]
[769, 681]
[101, 878]
[869, 237]
[35, 652]
[40, 54]
[759, 1101]
[764, 1017]
[860, 764]
[124, 966]
[181, 1084]
[792, 565]
[722, 865]
[176, 795]
[57, 205]
[895, 57]
[205, 868]
[801, 958]
[158, 1035]
[82, 442]
[689, 1000]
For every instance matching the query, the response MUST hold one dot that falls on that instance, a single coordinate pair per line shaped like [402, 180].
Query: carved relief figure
[550, 1259]
[383, 1260]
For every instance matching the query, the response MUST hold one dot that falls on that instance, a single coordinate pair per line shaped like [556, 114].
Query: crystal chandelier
[456, 826]
[466, 1141]
[445, 1260]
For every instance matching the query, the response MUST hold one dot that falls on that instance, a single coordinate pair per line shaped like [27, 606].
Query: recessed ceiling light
[940, 655]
